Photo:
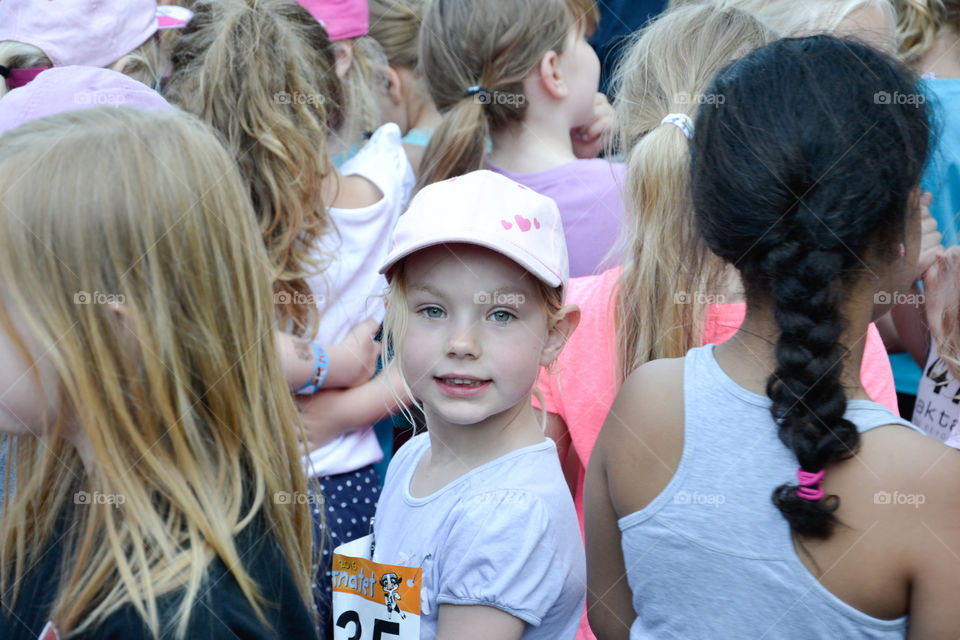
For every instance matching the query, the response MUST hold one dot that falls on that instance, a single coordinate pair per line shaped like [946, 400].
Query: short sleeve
[503, 553]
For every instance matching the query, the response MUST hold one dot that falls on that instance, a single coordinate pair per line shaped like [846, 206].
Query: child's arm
[460, 622]
[352, 362]
[331, 413]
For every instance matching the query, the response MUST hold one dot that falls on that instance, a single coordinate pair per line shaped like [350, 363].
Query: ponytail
[458, 145]
[661, 298]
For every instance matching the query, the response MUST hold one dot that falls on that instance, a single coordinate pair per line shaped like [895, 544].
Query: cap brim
[522, 258]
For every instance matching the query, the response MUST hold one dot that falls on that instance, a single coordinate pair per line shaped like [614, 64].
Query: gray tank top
[711, 556]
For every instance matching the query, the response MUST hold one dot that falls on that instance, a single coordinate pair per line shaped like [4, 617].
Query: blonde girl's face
[581, 70]
[475, 335]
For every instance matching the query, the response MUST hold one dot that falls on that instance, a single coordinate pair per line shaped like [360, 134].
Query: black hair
[802, 165]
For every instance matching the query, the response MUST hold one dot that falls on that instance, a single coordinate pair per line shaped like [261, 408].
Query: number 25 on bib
[373, 601]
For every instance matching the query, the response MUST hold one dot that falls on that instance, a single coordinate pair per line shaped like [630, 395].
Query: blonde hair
[789, 18]
[919, 24]
[395, 24]
[261, 72]
[487, 43]
[176, 388]
[659, 304]
[141, 64]
[365, 79]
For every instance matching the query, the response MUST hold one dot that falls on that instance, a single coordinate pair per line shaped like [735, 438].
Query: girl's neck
[456, 449]
[540, 143]
[423, 113]
[943, 59]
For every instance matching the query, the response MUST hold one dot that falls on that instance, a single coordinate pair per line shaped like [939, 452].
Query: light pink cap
[94, 33]
[71, 88]
[341, 18]
[487, 209]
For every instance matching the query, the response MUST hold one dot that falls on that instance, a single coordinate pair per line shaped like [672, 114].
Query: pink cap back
[487, 209]
[71, 88]
[341, 18]
[93, 33]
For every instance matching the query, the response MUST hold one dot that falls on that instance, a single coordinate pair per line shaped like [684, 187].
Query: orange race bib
[373, 601]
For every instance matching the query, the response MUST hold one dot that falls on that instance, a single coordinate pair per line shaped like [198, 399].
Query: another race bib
[373, 601]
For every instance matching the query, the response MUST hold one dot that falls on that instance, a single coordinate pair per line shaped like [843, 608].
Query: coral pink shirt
[582, 386]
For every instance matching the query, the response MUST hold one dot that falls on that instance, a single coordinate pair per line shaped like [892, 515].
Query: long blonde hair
[491, 44]
[141, 64]
[262, 73]
[175, 387]
[660, 303]
[395, 24]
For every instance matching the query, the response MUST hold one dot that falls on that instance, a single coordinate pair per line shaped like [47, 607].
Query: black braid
[796, 174]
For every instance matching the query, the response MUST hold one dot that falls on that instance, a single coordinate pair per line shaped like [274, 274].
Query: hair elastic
[477, 90]
[19, 77]
[680, 120]
[810, 488]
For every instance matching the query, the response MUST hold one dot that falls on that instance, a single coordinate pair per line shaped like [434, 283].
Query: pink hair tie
[810, 488]
[17, 78]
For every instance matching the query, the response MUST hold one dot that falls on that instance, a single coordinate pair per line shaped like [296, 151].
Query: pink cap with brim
[72, 88]
[490, 210]
[93, 33]
[341, 18]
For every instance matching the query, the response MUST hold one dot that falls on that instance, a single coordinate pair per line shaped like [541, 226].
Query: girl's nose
[463, 341]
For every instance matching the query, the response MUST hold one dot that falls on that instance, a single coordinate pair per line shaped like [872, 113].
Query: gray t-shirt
[503, 535]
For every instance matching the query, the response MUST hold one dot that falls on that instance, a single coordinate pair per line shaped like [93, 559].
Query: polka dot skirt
[348, 506]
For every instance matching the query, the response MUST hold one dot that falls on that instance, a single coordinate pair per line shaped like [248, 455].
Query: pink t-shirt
[582, 387]
[589, 196]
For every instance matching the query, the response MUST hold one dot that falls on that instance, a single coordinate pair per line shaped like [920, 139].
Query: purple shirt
[589, 196]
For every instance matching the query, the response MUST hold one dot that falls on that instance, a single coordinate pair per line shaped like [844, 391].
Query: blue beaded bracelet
[322, 366]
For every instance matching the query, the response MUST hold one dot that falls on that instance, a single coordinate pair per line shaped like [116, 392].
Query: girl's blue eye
[502, 316]
[432, 312]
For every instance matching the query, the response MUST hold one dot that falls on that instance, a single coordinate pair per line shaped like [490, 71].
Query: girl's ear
[343, 57]
[562, 328]
[394, 86]
[551, 77]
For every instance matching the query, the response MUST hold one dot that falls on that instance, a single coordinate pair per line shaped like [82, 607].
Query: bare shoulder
[641, 441]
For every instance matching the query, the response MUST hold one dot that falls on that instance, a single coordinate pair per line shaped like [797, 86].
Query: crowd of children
[681, 361]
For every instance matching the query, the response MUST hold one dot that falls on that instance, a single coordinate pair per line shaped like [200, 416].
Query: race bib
[373, 601]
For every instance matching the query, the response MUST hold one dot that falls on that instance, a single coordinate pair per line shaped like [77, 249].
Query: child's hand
[354, 361]
[941, 288]
[589, 140]
[930, 238]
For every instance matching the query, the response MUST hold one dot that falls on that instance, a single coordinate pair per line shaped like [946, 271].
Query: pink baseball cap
[341, 18]
[490, 210]
[92, 33]
[71, 88]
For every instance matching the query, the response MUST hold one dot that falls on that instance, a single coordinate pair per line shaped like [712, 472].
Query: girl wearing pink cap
[119, 34]
[477, 271]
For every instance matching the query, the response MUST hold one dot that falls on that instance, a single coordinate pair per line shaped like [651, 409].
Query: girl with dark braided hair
[752, 489]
